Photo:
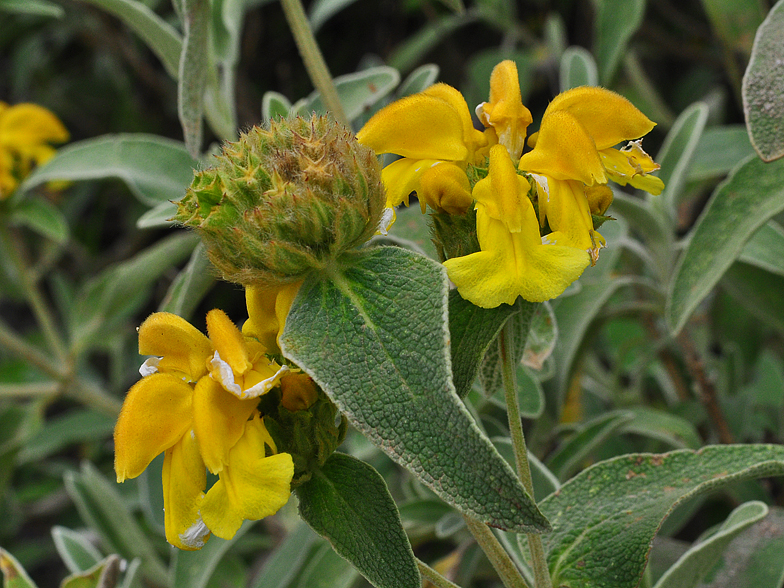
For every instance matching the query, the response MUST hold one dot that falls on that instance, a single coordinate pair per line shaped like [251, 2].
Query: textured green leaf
[664, 426]
[757, 290]
[695, 563]
[754, 558]
[194, 63]
[36, 7]
[578, 447]
[676, 154]
[358, 92]
[578, 68]
[42, 217]
[616, 22]
[347, 503]
[77, 553]
[719, 150]
[763, 87]
[374, 337]
[472, 329]
[605, 518]
[193, 569]
[286, 561]
[103, 575]
[102, 508]
[155, 169]
[765, 249]
[418, 80]
[156, 33]
[750, 196]
[14, 575]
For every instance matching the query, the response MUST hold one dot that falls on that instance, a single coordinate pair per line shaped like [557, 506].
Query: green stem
[497, 555]
[541, 572]
[314, 60]
[433, 576]
[29, 390]
[94, 396]
[18, 346]
[34, 296]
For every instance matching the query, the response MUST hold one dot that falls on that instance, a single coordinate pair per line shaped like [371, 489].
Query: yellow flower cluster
[198, 404]
[25, 133]
[533, 211]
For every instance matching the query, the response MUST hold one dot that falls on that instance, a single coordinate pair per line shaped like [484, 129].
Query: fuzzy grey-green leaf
[373, 335]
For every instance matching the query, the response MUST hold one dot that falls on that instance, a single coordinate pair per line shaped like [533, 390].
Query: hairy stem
[433, 576]
[314, 60]
[497, 555]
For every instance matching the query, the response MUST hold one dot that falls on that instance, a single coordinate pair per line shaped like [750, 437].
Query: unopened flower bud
[285, 200]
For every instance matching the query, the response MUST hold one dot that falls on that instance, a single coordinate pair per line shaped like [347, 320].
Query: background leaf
[578, 68]
[616, 22]
[77, 553]
[750, 196]
[373, 337]
[193, 569]
[347, 503]
[194, 64]
[36, 7]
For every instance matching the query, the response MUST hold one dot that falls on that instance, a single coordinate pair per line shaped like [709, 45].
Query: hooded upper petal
[267, 312]
[155, 415]
[183, 348]
[252, 486]
[505, 113]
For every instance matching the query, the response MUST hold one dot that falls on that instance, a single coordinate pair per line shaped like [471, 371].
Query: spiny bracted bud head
[283, 201]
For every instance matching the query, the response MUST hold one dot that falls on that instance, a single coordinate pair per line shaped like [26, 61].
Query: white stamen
[150, 366]
[225, 375]
[386, 220]
[264, 386]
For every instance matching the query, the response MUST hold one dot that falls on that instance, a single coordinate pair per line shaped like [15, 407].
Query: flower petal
[505, 112]
[564, 151]
[445, 187]
[566, 209]
[267, 312]
[502, 191]
[251, 486]
[608, 118]
[421, 126]
[182, 347]
[228, 341]
[26, 126]
[155, 415]
[219, 421]
[184, 480]
[297, 391]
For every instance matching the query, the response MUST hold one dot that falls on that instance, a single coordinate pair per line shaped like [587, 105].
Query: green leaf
[191, 285]
[358, 92]
[77, 553]
[194, 63]
[14, 574]
[103, 509]
[103, 575]
[347, 503]
[274, 105]
[418, 80]
[757, 290]
[472, 329]
[75, 426]
[530, 394]
[35, 7]
[578, 447]
[754, 557]
[326, 569]
[373, 335]
[578, 68]
[193, 569]
[542, 337]
[751, 195]
[605, 518]
[675, 157]
[411, 51]
[156, 33]
[286, 561]
[763, 87]
[158, 216]
[695, 563]
[661, 425]
[154, 168]
[735, 22]
[765, 249]
[413, 226]
[42, 217]
[719, 151]
[616, 22]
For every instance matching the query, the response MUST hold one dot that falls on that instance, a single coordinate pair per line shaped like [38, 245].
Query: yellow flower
[514, 260]
[25, 133]
[193, 404]
[433, 133]
[504, 115]
[267, 312]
